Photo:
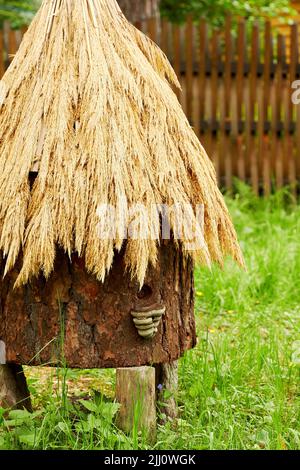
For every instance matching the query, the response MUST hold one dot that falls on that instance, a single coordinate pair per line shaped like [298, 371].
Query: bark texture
[75, 318]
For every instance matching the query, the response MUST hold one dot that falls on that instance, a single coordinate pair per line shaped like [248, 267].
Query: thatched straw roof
[87, 102]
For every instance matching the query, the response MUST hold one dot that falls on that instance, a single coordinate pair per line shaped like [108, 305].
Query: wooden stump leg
[14, 392]
[135, 391]
[167, 381]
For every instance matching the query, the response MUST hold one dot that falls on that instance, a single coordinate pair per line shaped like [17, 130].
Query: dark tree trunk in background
[137, 10]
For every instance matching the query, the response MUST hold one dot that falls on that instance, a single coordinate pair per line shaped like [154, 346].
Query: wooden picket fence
[237, 93]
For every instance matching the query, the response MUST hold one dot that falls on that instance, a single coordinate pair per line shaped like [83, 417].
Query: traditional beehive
[89, 120]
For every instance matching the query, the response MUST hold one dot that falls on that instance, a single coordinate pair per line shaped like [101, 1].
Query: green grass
[239, 388]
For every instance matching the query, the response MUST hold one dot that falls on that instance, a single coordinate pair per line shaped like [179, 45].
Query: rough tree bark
[75, 318]
[137, 10]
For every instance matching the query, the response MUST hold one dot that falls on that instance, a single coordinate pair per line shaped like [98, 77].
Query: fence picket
[240, 99]
[293, 75]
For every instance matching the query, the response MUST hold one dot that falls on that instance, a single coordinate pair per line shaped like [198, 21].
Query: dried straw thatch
[87, 101]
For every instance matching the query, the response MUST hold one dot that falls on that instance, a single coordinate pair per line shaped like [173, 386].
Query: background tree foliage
[214, 11]
[20, 12]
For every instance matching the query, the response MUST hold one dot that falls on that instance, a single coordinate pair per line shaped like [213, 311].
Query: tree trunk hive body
[89, 324]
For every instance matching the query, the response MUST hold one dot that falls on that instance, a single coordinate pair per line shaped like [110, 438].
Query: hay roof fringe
[87, 100]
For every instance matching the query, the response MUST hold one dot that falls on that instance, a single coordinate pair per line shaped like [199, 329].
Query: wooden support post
[167, 388]
[135, 391]
[14, 392]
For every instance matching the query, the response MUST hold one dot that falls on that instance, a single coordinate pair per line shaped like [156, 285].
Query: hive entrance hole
[145, 292]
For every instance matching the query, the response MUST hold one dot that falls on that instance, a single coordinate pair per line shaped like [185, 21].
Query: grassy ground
[239, 389]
